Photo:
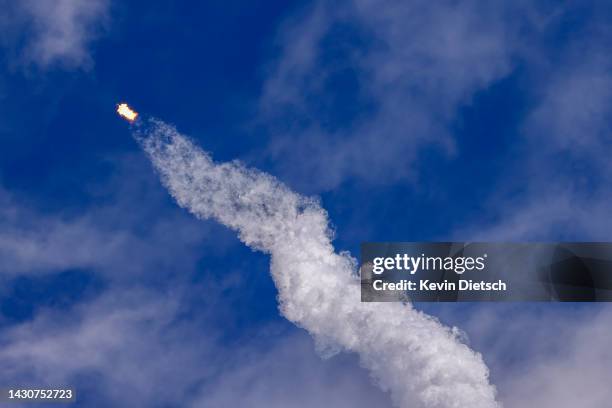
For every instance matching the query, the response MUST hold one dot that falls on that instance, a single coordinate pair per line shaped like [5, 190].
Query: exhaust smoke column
[409, 354]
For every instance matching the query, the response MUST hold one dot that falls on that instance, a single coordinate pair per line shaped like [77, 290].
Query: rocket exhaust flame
[126, 112]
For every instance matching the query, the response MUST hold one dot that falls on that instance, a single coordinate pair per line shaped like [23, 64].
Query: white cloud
[140, 349]
[119, 235]
[573, 114]
[576, 375]
[413, 63]
[128, 340]
[557, 184]
[551, 214]
[51, 33]
[288, 373]
[550, 355]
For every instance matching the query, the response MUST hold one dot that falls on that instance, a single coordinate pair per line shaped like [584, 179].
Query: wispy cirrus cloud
[125, 348]
[558, 182]
[550, 355]
[395, 73]
[50, 33]
[135, 347]
[289, 373]
[118, 235]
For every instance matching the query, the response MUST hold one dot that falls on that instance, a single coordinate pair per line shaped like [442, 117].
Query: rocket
[126, 112]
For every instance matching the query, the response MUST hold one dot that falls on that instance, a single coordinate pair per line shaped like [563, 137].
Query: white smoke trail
[409, 353]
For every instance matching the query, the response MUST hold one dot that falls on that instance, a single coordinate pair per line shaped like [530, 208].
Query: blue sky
[411, 121]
